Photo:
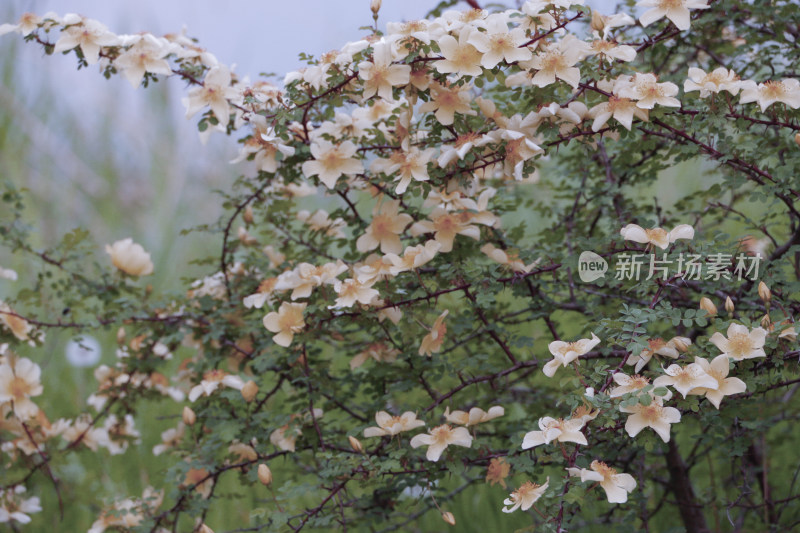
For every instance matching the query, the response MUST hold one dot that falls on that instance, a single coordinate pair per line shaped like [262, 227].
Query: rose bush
[405, 246]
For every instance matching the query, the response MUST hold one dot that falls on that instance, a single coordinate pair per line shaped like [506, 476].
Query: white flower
[146, 55]
[718, 369]
[476, 415]
[617, 486]
[684, 379]
[88, 34]
[460, 57]
[392, 425]
[499, 43]
[741, 343]
[15, 508]
[83, 351]
[7, 273]
[332, 161]
[654, 416]
[648, 92]
[525, 496]
[675, 10]
[287, 321]
[555, 429]
[786, 91]
[19, 381]
[380, 75]
[385, 229]
[212, 381]
[565, 353]
[215, 93]
[656, 236]
[657, 346]
[130, 258]
[720, 79]
[440, 438]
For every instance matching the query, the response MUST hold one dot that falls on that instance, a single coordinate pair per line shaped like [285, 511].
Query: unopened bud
[708, 306]
[681, 343]
[598, 22]
[448, 517]
[204, 529]
[355, 444]
[121, 336]
[264, 474]
[375, 6]
[797, 138]
[248, 215]
[189, 417]
[249, 391]
[764, 293]
[766, 322]
[729, 307]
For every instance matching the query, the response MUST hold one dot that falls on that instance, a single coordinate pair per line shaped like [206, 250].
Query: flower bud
[708, 306]
[448, 517]
[797, 138]
[597, 21]
[248, 215]
[681, 343]
[249, 391]
[189, 417]
[121, 336]
[204, 529]
[264, 474]
[355, 444]
[766, 322]
[729, 307]
[764, 293]
[375, 6]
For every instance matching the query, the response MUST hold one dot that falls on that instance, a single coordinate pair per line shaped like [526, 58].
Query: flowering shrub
[412, 300]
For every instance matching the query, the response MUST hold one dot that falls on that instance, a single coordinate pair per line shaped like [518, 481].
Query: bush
[444, 269]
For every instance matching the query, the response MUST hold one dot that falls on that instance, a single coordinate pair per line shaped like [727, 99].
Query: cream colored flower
[146, 55]
[212, 381]
[332, 161]
[171, 438]
[555, 429]
[509, 258]
[287, 321]
[565, 353]
[351, 291]
[685, 378]
[786, 91]
[558, 60]
[610, 50]
[654, 416]
[447, 100]
[20, 327]
[627, 384]
[19, 381]
[380, 75]
[498, 43]
[525, 496]
[385, 229]
[617, 486]
[656, 236]
[476, 415]
[392, 425]
[718, 368]
[215, 93]
[439, 438]
[87, 34]
[320, 221]
[460, 57]
[741, 343]
[413, 257]
[720, 79]
[645, 89]
[432, 342]
[497, 471]
[130, 258]
[658, 346]
[284, 439]
[675, 10]
[15, 508]
[445, 226]
[378, 351]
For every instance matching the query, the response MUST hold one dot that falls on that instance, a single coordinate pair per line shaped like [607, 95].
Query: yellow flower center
[740, 344]
[19, 388]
